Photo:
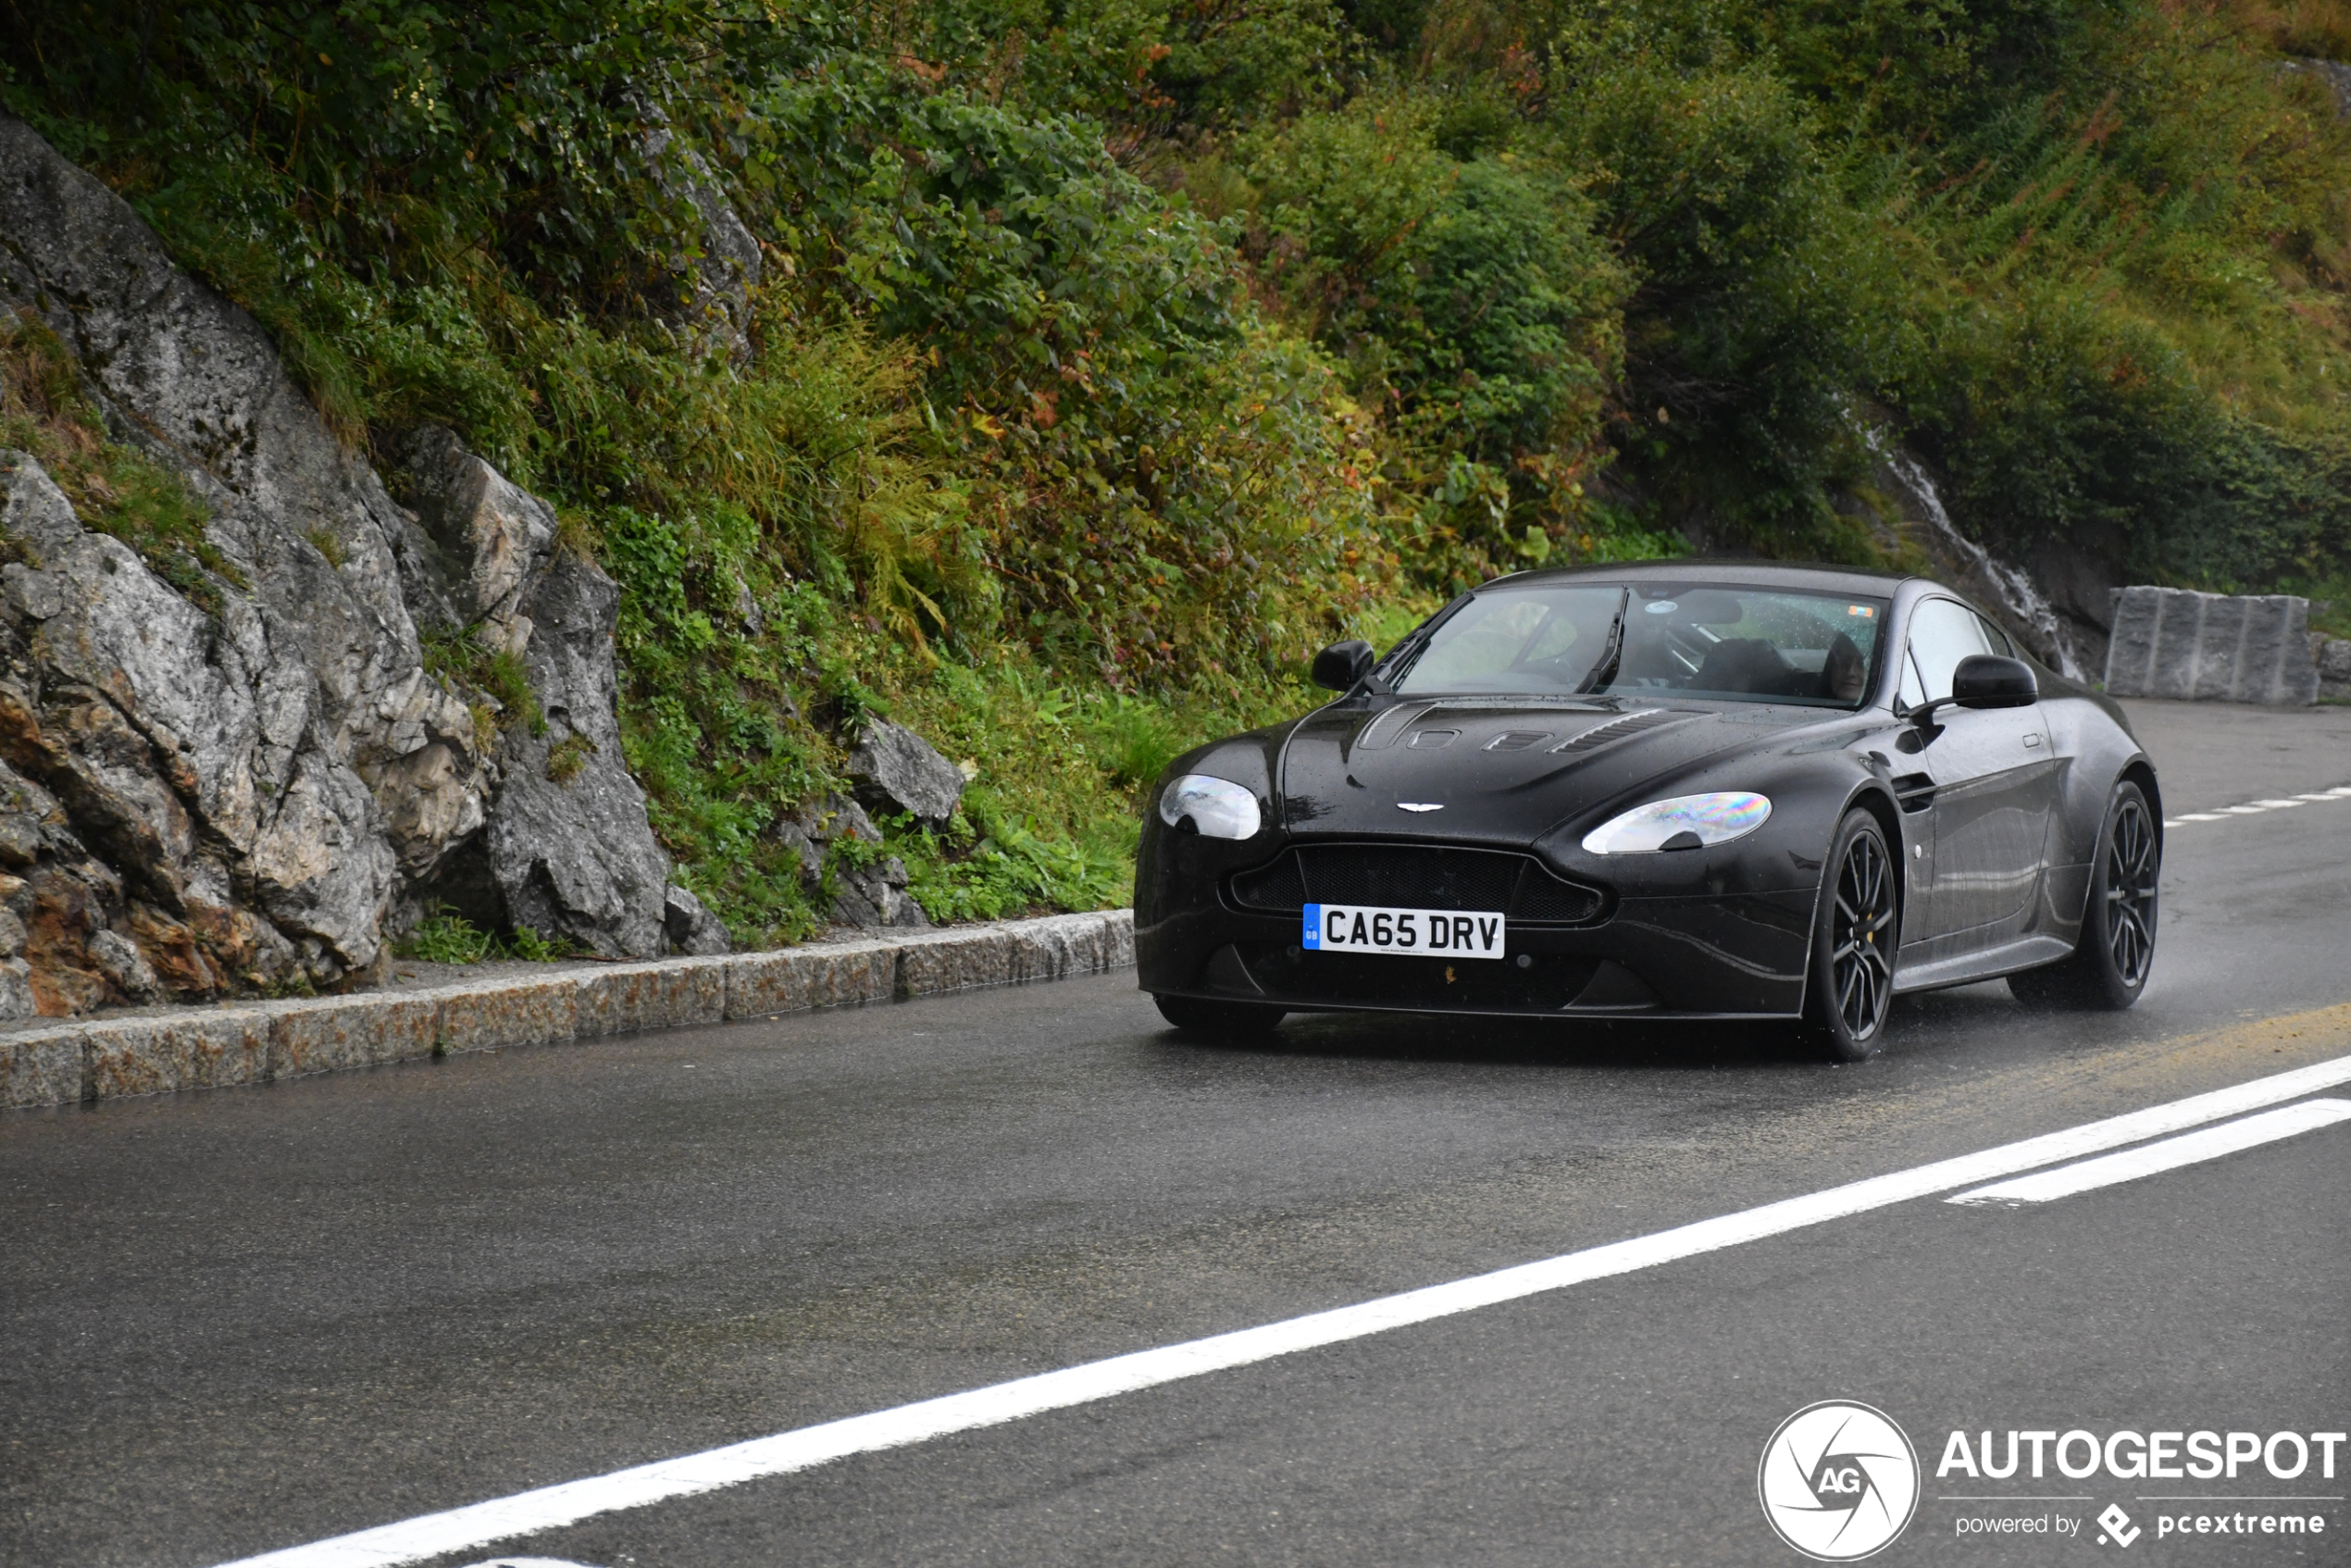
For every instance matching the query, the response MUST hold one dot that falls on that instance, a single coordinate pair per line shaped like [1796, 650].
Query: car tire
[1195, 1016]
[1849, 990]
[2108, 968]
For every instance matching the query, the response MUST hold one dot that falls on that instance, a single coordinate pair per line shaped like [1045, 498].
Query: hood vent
[1387, 725]
[1617, 729]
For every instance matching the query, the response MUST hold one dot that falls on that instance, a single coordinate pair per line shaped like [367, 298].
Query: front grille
[1278, 972]
[1415, 876]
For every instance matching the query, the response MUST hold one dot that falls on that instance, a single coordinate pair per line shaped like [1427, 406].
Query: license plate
[1427, 933]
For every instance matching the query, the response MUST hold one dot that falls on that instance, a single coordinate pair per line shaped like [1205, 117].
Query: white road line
[2169, 1155]
[2254, 808]
[548, 1508]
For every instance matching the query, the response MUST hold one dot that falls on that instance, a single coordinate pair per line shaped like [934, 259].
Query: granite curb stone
[491, 1014]
[215, 1047]
[42, 1066]
[333, 1033]
[662, 994]
[188, 1051]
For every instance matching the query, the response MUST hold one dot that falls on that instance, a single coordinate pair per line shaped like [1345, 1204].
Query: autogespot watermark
[1839, 1481]
[2152, 1457]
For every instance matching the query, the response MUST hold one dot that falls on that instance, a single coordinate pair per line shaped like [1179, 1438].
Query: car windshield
[1717, 640]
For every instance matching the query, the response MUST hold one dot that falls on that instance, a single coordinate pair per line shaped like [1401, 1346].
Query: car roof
[1819, 577]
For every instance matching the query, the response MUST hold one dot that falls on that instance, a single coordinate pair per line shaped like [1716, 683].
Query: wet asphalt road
[243, 1320]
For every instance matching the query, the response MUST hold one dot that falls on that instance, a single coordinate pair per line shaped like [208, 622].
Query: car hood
[1499, 770]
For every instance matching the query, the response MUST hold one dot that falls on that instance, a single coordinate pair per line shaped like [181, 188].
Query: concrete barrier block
[42, 1066]
[351, 1032]
[628, 997]
[2211, 647]
[157, 1055]
[835, 975]
[495, 1014]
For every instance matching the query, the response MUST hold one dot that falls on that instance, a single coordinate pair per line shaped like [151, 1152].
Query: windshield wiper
[1611, 656]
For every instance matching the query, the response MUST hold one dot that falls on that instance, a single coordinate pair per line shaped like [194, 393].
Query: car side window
[1913, 690]
[1942, 633]
[1994, 639]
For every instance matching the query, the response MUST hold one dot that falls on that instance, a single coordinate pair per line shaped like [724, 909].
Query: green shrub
[446, 937]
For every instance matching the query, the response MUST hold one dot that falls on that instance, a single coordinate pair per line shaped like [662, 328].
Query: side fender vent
[1914, 791]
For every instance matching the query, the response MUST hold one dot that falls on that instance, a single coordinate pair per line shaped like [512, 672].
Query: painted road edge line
[2254, 808]
[2152, 1159]
[548, 1508]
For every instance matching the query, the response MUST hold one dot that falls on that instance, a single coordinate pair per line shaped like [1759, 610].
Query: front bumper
[1707, 955]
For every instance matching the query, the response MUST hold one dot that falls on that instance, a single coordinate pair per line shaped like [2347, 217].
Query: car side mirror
[1340, 666]
[1986, 681]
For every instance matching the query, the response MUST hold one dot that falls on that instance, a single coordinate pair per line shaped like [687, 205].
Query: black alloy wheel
[2110, 963]
[2127, 889]
[1230, 1018]
[1852, 981]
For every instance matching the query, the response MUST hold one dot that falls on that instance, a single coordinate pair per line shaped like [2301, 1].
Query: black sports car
[1677, 789]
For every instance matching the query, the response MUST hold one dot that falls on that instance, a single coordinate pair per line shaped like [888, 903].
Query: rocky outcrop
[2333, 658]
[716, 282]
[184, 786]
[896, 770]
[252, 788]
[568, 844]
[868, 890]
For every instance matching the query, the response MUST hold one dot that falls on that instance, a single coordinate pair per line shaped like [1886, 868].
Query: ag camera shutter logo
[1839, 1481]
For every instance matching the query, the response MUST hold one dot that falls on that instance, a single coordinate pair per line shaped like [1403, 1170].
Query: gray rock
[877, 897]
[2211, 647]
[187, 754]
[896, 770]
[2332, 656]
[482, 542]
[792, 835]
[831, 817]
[575, 856]
[693, 930]
[119, 960]
[719, 279]
[16, 999]
[249, 788]
[197, 383]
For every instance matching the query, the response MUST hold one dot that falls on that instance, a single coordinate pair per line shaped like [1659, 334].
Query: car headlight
[1686, 822]
[1217, 807]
